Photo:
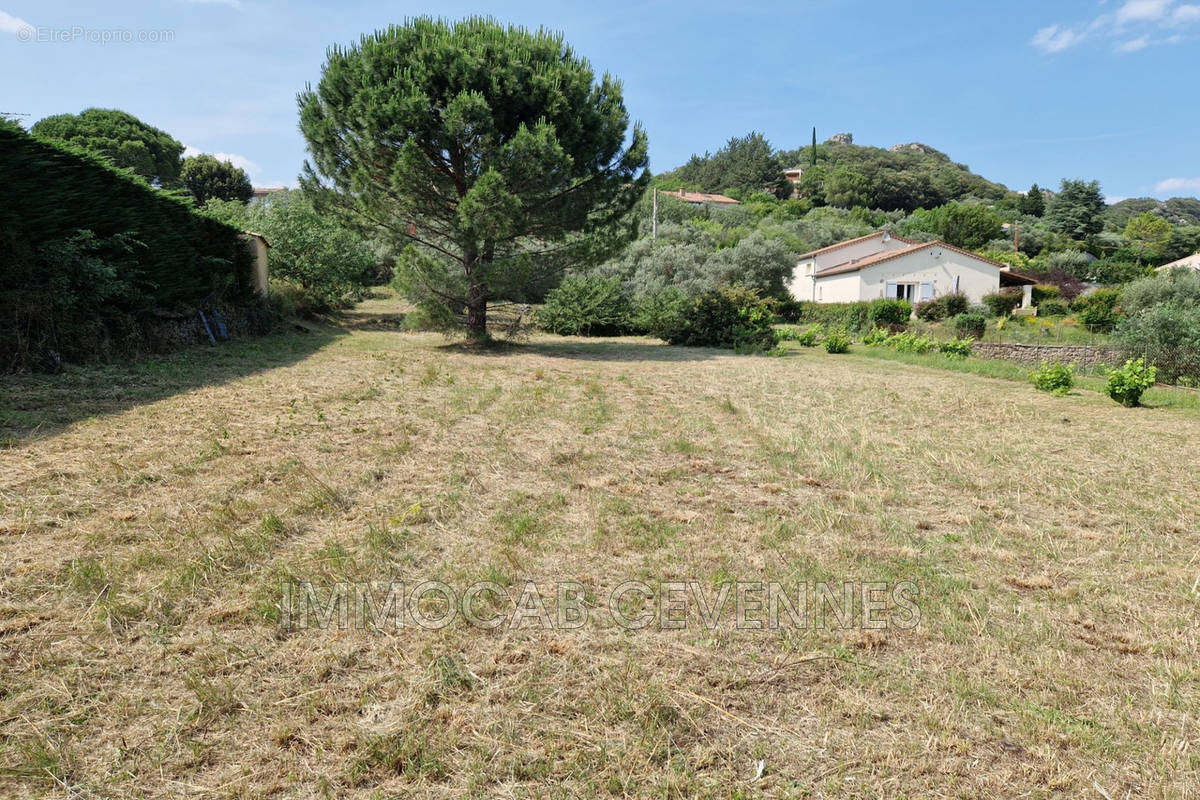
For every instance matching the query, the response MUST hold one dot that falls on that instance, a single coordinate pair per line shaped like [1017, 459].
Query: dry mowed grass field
[150, 513]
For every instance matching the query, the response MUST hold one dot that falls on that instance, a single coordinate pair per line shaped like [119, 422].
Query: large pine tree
[492, 153]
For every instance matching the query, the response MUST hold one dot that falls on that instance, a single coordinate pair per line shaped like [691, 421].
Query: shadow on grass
[358, 319]
[32, 405]
[628, 348]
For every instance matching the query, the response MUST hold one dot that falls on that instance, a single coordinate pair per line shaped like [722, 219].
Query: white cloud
[11, 24]
[241, 162]
[1142, 11]
[1133, 45]
[1186, 15]
[1133, 25]
[1177, 184]
[1054, 38]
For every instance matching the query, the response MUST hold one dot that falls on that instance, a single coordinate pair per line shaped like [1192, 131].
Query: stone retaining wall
[1083, 356]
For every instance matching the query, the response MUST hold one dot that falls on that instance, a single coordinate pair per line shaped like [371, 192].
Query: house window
[906, 291]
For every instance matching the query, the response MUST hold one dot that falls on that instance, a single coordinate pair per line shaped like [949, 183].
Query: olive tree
[491, 156]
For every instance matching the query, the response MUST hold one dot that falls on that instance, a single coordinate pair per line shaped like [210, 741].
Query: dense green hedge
[847, 316]
[83, 244]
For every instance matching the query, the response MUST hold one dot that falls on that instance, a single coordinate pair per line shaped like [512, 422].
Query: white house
[886, 265]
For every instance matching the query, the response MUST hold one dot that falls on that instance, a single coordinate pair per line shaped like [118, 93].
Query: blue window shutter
[926, 292]
[890, 290]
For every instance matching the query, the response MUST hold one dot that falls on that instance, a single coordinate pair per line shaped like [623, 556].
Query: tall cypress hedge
[83, 243]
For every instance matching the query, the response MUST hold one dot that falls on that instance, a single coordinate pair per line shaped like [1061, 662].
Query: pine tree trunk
[477, 311]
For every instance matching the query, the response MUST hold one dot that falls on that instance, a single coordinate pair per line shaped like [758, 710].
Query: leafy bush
[788, 310]
[890, 312]
[1163, 323]
[1071, 262]
[1126, 384]
[1098, 311]
[331, 264]
[969, 326]
[958, 348]
[733, 317]
[585, 305]
[837, 342]
[1043, 292]
[808, 338]
[911, 343]
[656, 312]
[876, 336]
[1054, 377]
[1053, 308]
[1002, 303]
[847, 316]
[944, 307]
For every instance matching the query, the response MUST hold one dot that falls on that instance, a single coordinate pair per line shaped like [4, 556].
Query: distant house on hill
[1187, 262]
[703, 199]
[261, 193]
[885, 265]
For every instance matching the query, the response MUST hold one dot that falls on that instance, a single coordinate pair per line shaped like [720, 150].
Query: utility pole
[654, 217]
[1017, 235]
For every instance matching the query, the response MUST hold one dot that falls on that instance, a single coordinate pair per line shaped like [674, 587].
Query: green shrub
[1126, 384]
[732, 316]
[1163, 323]
[911, 343]
[957, 348]
[808, 338]
[837, 342]
[659, 311]
[788, 310]
[890, 312]
[1053, 308]
[930, 311]
[944, 307]
[1054, 377]
[1098, 311]
[330, 264]
[847, 316]
[585, 305]
[876, 336]
[1002, 303]
[969, 326]
[1043, 292]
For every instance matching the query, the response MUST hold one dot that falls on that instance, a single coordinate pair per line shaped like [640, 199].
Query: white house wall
[935, 265]
[931, 265]
[802, 286]
[838, 289]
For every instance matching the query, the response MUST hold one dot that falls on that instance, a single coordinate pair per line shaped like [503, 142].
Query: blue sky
[1021, 91]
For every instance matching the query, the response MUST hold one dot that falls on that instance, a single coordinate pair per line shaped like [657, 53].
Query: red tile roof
[849, 242]
[703, 197]
[888, 255]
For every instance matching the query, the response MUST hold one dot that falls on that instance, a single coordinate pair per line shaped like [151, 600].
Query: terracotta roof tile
[849, 242]
[888, 255]
[702, 197]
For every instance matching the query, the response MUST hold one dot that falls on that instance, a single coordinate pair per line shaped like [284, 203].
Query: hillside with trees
[836, 173]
